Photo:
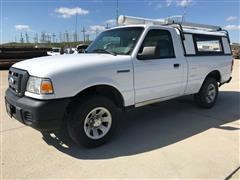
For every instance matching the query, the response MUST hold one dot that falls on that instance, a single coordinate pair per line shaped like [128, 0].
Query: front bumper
[43, 115]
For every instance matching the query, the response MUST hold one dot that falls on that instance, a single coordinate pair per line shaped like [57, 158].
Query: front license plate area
[9, 109]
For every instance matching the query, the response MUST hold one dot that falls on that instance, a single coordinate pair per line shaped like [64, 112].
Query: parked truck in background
[140, 63]
[55, 51]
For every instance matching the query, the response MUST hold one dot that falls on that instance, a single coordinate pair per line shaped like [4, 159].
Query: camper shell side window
[206, 45]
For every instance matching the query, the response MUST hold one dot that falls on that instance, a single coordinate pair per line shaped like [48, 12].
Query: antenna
[117, 9]
[184, 13]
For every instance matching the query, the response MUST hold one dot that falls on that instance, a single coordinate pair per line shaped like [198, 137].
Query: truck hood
[51, 65]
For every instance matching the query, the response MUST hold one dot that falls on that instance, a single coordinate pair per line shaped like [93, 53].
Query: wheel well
[102, 90]
[216, 75]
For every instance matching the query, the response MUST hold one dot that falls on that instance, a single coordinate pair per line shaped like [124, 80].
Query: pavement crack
[232, 173]
[11, 129]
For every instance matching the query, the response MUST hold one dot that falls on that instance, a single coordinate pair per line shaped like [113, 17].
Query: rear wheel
[208, 93]
[93, 121]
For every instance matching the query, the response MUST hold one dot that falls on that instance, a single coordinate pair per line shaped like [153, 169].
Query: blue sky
[55, 16]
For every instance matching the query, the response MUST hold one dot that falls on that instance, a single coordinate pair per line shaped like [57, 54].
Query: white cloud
[65, 12]
[232, 27]
[22, 27]
[111, 22]
[96, 29]
[232, 18]
[184, 3]
[168, 2]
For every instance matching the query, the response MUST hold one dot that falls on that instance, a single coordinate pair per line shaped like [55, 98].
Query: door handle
[123, 71]
[176, 65]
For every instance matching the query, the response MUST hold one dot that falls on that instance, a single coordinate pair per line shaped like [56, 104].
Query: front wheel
[208, 93]
[93, 121]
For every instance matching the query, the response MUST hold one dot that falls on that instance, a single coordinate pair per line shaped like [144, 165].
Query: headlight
[39, 85]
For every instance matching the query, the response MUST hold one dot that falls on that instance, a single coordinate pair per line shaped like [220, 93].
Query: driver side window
[156, 45]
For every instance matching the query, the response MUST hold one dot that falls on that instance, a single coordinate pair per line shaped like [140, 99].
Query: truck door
[158, 71]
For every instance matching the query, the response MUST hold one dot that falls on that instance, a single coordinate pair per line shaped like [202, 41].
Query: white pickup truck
[139, 63]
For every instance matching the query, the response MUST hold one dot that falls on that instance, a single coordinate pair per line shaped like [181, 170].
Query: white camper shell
[214, 37]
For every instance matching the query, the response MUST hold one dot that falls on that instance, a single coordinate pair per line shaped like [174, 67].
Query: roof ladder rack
[129, 20]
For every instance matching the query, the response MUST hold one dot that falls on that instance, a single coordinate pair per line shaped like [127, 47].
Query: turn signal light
[46, 87]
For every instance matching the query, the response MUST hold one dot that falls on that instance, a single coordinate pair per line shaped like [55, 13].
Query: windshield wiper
[105, 50]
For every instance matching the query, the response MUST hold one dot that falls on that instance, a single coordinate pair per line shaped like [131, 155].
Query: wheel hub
[211, 93]
[97, 122]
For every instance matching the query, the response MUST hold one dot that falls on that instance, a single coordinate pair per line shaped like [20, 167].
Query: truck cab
[139, 63]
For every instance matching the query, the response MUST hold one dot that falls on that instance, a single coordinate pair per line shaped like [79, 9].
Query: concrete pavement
[173, 139]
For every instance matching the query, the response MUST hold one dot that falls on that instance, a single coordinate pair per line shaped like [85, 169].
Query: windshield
[116, 41]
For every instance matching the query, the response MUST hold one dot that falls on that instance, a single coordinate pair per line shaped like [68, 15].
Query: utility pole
[36, 38]
[21, 38]
[27, 37]
[107, 26]
[87, 37]
[49, 38]
[84, 31]
[60, 37]
[67, 36]
[96, 32]
[75, 38]
[53, 37]
[43, 37]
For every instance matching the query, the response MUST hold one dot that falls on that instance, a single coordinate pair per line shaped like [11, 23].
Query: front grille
[27, 116]
[17, 80]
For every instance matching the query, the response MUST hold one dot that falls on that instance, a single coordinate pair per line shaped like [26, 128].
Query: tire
[208, 93]
[93, 121]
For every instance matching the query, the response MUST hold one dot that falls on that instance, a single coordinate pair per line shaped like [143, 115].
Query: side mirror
[147, 52]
